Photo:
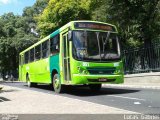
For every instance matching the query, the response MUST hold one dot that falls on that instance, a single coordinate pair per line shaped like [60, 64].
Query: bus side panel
[41, 71]
[30, 70]
[54, 64]
[38, 71]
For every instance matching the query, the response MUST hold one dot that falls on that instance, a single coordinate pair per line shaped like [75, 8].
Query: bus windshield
[95, 46]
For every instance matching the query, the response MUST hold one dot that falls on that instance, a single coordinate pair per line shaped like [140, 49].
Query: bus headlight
[85, 72]
[81, 70]
[117, 71]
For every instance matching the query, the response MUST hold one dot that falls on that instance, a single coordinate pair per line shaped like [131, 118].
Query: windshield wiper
[97, 33]
[104, 43]
[108, 35]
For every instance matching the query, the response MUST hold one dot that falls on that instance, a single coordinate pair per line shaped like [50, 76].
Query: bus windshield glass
[95, 46]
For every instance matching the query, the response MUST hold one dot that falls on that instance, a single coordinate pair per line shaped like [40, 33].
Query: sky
[15, 6]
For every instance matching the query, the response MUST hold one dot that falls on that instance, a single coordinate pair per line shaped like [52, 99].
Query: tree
[137, 20]
[7, 51]
[30, 13]
[16, 34]
[58, 13]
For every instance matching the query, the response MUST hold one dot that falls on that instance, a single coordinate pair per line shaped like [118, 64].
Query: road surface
[139, 100]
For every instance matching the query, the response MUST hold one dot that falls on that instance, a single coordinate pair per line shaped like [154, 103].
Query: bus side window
[32, 55]
[26, 57]
[54, 45]
[38, 52]
[45, 49]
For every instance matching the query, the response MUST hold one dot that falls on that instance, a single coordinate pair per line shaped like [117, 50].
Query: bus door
[66, 58]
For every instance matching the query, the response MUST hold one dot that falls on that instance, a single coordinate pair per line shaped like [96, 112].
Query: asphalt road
[145, 101]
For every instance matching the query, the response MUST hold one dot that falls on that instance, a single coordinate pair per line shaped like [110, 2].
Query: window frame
[46, 50]
[53, 49]
[38, 52]
[26, 61]
[30, 55]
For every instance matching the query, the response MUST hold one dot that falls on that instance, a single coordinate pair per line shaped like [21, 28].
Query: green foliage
[13, 40]
[58, 13]
[16, 34]
[140, 16]
[100, 10]
[137, 20]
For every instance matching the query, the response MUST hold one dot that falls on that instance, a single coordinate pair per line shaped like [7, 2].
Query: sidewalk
[135, 85]
[25, 101]
[141, 80]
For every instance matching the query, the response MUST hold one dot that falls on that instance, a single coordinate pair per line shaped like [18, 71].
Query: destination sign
[95, 26]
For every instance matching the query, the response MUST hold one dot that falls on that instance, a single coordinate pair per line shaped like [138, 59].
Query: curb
[133, 86]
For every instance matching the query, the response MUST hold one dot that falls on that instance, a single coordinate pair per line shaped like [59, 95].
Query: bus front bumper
[97, 79]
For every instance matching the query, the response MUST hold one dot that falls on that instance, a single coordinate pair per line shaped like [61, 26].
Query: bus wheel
[95, 87]
[29, 83]
[58, 87]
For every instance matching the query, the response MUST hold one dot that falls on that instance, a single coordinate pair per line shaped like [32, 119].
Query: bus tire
[95, 87]
[58, 87]
[29, 83]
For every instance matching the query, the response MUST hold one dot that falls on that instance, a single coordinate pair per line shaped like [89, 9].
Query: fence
[142, 60]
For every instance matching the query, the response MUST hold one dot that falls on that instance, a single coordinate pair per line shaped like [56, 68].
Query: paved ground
[17, 98]
[111, 99]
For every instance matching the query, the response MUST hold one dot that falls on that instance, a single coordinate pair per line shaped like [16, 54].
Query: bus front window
[95, 46]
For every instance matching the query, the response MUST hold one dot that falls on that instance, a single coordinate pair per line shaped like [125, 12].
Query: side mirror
[70, 35]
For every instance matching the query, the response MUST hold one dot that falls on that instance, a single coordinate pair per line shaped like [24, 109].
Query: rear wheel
[58, 87]
[95, 87]
[29, 83]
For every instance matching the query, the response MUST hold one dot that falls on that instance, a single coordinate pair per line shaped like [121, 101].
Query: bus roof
[71, 25]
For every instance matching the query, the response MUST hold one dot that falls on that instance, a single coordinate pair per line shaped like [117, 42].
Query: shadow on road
[84, 91]
[81, 91]
[3, 99]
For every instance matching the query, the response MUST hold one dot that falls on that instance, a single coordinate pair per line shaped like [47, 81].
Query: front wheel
[58, 87]
[95, 87]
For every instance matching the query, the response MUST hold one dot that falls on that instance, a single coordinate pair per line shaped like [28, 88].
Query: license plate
[102, 79]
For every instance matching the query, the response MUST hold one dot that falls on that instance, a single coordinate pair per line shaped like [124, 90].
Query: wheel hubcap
[56, 83]
[28, 82]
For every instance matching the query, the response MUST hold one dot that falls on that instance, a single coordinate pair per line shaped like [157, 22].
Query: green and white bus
[79, 53]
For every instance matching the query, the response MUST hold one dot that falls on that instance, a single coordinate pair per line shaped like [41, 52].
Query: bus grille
[101, 71]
